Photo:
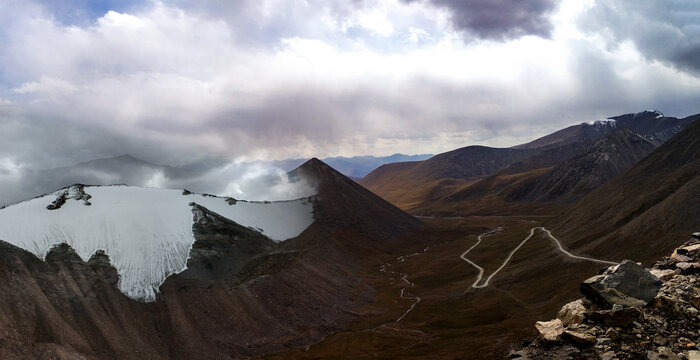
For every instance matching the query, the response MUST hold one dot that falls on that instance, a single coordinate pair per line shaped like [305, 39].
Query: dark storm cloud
[500, 19]
[668, 31]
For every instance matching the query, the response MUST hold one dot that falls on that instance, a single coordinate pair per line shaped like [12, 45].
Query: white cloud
[379, 78]
[377, 22]
[417, 34]
[47, 86]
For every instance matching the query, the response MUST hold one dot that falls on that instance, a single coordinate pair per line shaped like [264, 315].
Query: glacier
[147, 232]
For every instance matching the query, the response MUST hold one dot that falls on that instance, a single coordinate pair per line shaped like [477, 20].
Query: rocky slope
[651, 123]
[629, 312]
[651, 201]
[242, 294]
[590, 168]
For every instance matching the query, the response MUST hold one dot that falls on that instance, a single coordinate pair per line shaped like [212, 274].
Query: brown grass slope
[641, 213]
[483, 197]
[410, 184]
[346, 204]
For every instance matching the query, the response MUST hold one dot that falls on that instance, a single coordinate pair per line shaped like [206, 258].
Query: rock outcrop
[627, 284]
[629, 312]
[550, 330]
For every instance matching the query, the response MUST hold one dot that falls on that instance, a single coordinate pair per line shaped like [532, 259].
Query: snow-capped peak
[146, 232]
[658, 114]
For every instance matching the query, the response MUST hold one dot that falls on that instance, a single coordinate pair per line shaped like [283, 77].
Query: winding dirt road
[476, 284]
[481, 270]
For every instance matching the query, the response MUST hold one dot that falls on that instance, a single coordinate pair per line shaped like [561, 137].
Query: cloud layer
[500, 19]
[668, 31]
[183, 82]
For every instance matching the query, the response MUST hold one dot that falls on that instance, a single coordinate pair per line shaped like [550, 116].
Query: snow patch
[657, 113]
[602, 122]
[146, 232]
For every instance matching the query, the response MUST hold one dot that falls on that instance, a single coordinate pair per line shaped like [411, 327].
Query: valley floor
[435, 303]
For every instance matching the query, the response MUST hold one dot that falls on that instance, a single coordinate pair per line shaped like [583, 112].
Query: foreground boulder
[572, 313]
[667, 327]
[627, 284]
[550, 331]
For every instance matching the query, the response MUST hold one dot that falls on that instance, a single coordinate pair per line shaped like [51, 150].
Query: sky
[177, 82]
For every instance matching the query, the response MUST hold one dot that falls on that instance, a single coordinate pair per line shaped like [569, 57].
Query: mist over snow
[261, 182]
[256, 181]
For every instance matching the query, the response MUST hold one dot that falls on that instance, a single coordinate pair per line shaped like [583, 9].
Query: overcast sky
[176, 81]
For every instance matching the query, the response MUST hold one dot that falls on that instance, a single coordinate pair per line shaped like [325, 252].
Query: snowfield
[146, 232]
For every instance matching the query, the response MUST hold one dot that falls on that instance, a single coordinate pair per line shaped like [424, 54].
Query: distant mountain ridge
[546, 169]
[354, 167]
[594, 165]
[651, 123]
[656, 199]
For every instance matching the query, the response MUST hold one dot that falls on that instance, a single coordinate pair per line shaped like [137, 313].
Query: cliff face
[629, 312]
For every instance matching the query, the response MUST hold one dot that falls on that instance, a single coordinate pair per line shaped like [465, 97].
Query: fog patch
[259, 182]
[241, 180]
[158, 180]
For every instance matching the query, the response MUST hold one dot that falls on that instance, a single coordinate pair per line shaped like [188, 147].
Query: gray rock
[572, 313]
[610, 355]
[663, 275]
[520, 355]
[550, 331]
[603, 341]
[695, 300]
[629, 284]
[666, 353]
[688, 267]
[660, 340]
[612, 334]
[617, 318]
[680, 257]
[580, 337]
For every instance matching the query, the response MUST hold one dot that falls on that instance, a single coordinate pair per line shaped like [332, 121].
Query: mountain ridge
[617, 211]
[415, 186]
[590, 168]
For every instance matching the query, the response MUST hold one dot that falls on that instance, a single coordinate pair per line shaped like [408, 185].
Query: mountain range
[454, 256]
[561, 167]
[355, 167]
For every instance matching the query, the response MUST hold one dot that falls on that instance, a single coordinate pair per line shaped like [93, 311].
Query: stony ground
[612, 322]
